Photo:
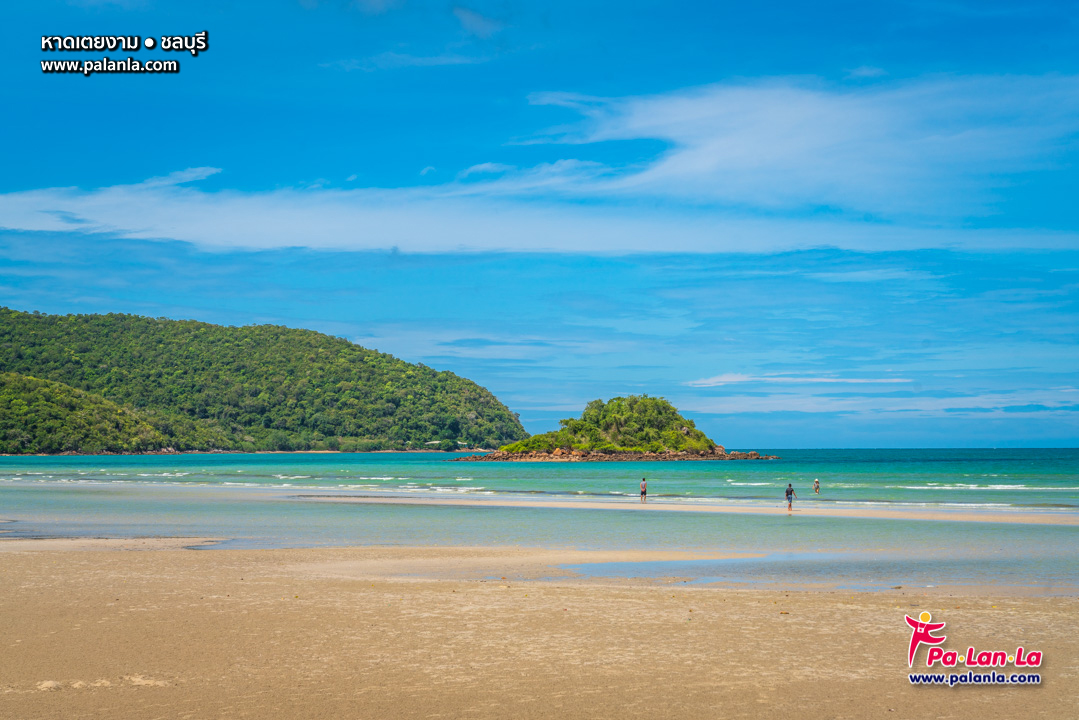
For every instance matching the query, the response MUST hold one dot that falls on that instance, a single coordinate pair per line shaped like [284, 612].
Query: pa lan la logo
[922, 631]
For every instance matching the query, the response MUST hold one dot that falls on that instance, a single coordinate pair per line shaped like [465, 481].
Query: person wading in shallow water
[816, 486]
[790, 497]
[644, 490]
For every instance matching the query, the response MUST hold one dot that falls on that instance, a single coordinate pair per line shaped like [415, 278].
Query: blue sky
[837, 224]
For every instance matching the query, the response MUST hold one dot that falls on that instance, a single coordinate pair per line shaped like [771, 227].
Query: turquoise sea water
[266, 501]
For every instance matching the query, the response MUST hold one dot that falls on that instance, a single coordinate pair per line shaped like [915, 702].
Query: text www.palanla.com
[108, 65]
[973, 678]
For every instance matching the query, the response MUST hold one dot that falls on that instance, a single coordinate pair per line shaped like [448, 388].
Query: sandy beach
[144, 629]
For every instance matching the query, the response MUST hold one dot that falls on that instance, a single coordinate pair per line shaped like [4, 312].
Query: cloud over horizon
[448, 219]
[935, 147]
[746, 168]
[738, 378]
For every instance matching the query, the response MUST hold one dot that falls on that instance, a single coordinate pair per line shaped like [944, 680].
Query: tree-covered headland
[207, 387]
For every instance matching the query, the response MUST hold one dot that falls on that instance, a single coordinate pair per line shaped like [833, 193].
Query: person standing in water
[644, 490]
[790, 497]
[816, 485]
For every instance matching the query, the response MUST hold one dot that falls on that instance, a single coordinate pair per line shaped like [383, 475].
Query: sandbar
[804, 510]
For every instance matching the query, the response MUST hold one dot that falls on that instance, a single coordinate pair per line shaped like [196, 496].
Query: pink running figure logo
[923, 630]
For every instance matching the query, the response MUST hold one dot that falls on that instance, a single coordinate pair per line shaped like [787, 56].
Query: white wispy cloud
[476, 24]
[736, 378]
[935, 147]
[873, 275]
[180, 177]
[987, 405]
[476, 343]
[376, 7]
[455, 217]
[392, 60]
[560, 179]
[866, 71]
[485, 169]
[740, 162]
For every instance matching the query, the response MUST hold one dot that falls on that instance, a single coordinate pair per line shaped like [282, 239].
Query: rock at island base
[568, 455]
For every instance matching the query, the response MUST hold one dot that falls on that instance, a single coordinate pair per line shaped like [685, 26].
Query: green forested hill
[262, 386]
[636, 423]
[41, 416]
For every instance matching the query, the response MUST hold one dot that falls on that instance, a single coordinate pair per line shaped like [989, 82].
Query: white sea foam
[957, 486]
[943, 506]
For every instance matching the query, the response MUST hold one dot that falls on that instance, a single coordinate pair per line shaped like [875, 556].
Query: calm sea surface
[259, 501]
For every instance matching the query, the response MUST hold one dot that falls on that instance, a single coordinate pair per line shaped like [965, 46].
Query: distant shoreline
[506, 457]
[239, 452]
[484, 450]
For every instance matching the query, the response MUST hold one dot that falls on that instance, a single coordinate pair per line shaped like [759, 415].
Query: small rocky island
[632, 428]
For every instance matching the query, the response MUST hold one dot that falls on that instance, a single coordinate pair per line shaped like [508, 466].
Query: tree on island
[632, 424]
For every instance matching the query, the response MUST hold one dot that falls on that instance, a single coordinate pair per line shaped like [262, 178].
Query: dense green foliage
[41, 416]
[636, 423]
[257, 387]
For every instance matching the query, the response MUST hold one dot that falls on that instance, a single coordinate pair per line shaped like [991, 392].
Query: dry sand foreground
[100, 630]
